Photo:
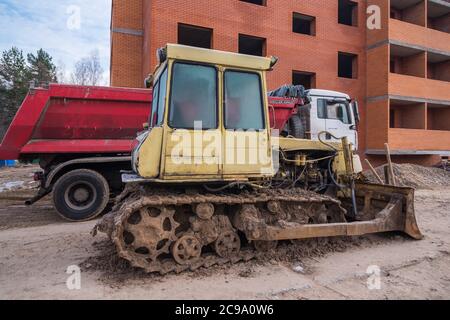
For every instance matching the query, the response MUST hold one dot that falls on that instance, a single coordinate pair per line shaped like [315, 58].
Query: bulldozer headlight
[161, 54]
[273, 61]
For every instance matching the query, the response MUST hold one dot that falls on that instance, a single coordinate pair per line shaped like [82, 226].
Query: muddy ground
[37, 247]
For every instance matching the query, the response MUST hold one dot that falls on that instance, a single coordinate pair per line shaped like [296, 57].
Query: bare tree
[61, 72]
[88, 70]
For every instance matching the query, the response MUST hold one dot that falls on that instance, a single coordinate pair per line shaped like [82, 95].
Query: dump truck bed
[76, 119]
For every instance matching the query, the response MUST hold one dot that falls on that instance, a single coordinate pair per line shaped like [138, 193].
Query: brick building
[400, 73]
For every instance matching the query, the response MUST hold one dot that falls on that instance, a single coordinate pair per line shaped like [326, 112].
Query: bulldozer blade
[381, 208]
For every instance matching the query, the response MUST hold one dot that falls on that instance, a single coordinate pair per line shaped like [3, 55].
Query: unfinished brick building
[400, 73]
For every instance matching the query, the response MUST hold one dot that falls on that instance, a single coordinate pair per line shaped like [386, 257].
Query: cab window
[162, 97]
[154, 114]
[194, 96]
[333, 109]
[243, 101]
[159, 96]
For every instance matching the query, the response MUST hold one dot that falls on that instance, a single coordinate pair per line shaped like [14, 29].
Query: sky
[67, 29]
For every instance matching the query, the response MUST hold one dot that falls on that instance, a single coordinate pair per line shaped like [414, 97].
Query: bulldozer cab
[209, 118]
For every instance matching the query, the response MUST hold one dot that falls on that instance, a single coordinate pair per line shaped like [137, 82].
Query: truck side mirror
[148, 82]
[340, 113]
[356, 111]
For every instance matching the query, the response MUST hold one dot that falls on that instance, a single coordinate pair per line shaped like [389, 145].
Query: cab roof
[327, 93]
[216, 57]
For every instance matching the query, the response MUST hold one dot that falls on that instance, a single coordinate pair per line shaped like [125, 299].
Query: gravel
[415, 176]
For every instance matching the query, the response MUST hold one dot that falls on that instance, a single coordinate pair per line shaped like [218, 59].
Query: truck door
[318, 123]
[338, 118]
[247, 146]
[193, 135]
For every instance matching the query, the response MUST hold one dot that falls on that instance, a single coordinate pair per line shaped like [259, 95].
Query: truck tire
[80, 195]
[296, 128]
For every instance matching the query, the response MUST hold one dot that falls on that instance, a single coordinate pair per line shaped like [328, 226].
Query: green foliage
[15, 77]
[41, 67]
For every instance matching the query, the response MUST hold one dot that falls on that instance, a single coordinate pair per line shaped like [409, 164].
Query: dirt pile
[412, 175]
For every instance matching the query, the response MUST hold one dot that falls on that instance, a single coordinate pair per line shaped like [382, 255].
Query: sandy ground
[37, 247]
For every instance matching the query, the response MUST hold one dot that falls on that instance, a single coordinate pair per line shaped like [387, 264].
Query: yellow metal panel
[150, 154]
[223, 58]
[292, 144]
[247, 152]
[339, 164]
[190, 152]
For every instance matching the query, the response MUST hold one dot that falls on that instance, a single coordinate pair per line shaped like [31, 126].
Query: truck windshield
[333, 109]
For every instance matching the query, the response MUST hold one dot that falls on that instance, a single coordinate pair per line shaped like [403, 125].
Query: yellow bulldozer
[213, 183]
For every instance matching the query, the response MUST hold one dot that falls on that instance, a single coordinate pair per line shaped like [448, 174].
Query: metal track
[141, 197]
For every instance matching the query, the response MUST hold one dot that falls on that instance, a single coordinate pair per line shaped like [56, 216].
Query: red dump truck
[83, 138]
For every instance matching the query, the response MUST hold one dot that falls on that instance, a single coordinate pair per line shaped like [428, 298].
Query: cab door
[193, 135]
[338, 118]
[317, 116]
[246, 139]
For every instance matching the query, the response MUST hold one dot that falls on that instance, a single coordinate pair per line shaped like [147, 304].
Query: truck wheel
[80, 195]
[296, 128]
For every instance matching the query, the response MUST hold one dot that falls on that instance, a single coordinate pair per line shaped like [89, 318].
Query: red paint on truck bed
[76, 119]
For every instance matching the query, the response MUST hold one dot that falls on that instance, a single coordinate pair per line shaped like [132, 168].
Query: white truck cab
[335, 113]
[330, 114]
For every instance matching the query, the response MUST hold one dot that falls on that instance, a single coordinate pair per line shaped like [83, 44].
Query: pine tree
[15, 78]
[14, 82]
[41, 67]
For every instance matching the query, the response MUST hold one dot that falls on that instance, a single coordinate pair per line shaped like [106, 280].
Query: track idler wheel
[205, 211]
[145, 235]
[228, 244]
[274, 207]
[187, 250]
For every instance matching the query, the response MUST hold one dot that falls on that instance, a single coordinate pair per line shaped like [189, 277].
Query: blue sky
[67, 29]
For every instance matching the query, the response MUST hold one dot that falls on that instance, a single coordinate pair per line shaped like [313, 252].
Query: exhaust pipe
[41, 194]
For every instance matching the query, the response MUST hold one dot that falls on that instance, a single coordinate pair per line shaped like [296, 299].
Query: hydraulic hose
[340, 186]
[352, 189]
[230, 185]
[325, 143]
[233, 184]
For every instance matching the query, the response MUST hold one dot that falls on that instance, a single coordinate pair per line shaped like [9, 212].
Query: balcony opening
[438, 67]
[348, 12]
[251, 45]
[392, 65]
[406, 114]
[347, 65]
[412, 11]
[395, 14]
[304, 24]
[407, 61]
[438, 117]
[258, 2]
[195, 36]
[439, 16]
[304, 78]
